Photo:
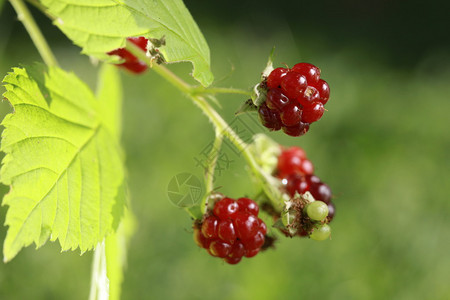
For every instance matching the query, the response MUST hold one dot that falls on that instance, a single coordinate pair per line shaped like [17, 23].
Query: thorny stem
[24, 15]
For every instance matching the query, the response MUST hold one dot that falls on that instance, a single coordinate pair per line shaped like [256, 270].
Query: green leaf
[63, 163]
[99, 26]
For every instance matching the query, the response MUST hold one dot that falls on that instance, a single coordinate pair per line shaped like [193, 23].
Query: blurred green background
[383, 146]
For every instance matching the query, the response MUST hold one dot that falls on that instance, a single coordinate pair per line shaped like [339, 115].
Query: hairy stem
[24, 15]
[210, 169]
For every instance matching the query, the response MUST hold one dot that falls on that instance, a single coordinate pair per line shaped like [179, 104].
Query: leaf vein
[55, 184]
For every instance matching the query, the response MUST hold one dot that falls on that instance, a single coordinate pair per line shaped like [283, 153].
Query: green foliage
[99, 26]
[63, 161]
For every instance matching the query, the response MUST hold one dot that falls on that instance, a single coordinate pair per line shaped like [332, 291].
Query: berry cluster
[132, 63]
[232, 230]
[297, 172]
[295, 99]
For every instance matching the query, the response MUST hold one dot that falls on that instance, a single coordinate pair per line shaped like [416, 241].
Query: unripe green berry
[321, 232]
[317, 210]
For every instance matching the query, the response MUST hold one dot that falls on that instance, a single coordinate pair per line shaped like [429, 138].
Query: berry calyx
[310, 204]
[231, 230]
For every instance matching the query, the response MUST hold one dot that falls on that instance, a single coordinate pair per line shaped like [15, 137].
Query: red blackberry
[298, 174]
[269, 118]
[294, 99]
[132, 63]
[296, 130]
[313, 113]
[274, 79]
[231, 230]
[293, 84]
[293, 160]
[311, 72]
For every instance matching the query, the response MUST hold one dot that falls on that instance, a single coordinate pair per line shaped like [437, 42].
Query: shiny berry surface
[296, 130]
[269, 118]
[294, 99]
[225, 208]
[293, 85]
[313, 113]
[293, 160]
[311, 72]
[276, 100]
[274, 78]
[232, 230]
[248, 205]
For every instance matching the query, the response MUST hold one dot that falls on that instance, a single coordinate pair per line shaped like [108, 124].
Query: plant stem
[42, 8]
[214, 154]
[219, 90]
[99, 281]
[209, 171]
[24, 15]
[220, 125]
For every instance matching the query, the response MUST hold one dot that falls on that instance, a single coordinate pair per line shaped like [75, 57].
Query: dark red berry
[296, 130]
[226, 231]
[313, 113]
[293, 85]
[209, 227]
[313, 179]
[296, 183]
[139, 41]
[247, 225]
[293, 160]
[225, 208]
[306, 167]
[291, 115]
[124, 54]
[324, 91]
[262, 227]
[255, 242]
[248, 205]
[132, 63]
[276, 100]
[251, 253]
[219, 248]
[274, 78]
[134, 66]
[238, 250]
[200, 239]
[233, 260]
[232, 231]
[321, 191]
[311, 72]
[269, 118]
[309, 97]
[331, 211]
